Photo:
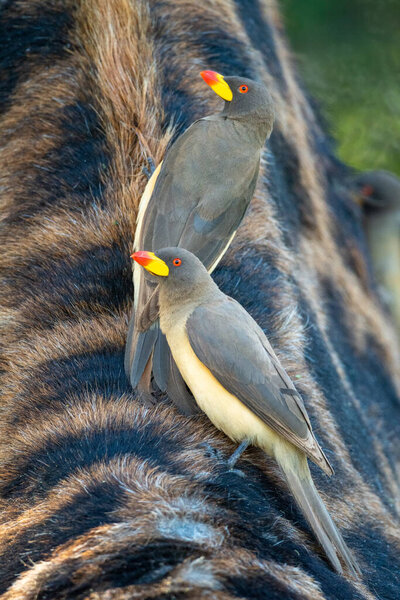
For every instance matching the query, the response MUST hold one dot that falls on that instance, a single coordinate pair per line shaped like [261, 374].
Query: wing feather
[193, 205]
[190, 203]
[234, 348]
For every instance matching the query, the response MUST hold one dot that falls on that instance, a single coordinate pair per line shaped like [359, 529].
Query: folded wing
[234, 348]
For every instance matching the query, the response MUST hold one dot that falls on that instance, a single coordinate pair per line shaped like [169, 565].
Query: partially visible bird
[380, 189]
[237, 380]
[378, 193]
[195, 199]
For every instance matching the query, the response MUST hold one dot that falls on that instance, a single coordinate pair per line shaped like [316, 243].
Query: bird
[238, 381]
[195, 199]
[378, 193]
[379, 189]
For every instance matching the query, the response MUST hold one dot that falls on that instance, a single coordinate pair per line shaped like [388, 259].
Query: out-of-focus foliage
[349, 55]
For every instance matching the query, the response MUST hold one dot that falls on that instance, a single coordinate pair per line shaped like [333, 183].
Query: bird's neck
[177, 304]
[254, 126]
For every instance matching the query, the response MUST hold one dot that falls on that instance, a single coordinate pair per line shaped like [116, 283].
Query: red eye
[177, 262]
[367, 190]
[243, 89]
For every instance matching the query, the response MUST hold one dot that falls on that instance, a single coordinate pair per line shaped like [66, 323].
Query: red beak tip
[209, 77]
[142, 257]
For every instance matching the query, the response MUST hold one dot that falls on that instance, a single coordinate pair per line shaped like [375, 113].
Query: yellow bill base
[151, 262]
[222, 89]
[218, 84]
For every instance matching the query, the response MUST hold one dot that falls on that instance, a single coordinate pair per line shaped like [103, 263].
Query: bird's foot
[211, 452]
[149, 170]
[237, 472]
[146, 398]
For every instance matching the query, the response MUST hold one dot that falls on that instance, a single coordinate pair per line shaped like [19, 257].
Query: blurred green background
[348, 52]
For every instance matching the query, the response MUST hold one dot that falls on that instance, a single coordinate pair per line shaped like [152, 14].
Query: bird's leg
[149, 170]
[237, 454]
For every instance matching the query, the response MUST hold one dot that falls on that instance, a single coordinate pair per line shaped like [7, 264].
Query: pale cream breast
[223, 409]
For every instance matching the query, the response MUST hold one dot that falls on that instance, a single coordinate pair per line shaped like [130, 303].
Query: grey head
[378, 190]
[180, 274]
[246, 100]
[251, 101]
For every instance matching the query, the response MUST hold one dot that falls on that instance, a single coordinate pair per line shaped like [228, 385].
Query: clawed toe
[236, 472]
[211, 452]
[149, 170]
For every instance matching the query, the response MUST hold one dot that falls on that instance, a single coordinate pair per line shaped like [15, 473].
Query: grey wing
[174, 195]
[166, 206]
[208, 236]
[193, 204]
[170, 213]
[234, 348]
[196, 204]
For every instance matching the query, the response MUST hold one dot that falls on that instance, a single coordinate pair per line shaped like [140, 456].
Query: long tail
[168, 378]
[297, 473]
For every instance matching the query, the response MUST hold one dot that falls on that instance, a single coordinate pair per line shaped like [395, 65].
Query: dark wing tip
[320, 459]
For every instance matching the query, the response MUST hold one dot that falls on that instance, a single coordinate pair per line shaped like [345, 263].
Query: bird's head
[177, 271]
[244, 98]
[377, 190]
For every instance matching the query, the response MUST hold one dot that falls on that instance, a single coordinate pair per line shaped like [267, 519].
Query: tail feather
[161, 358]
[301, 485]
[129, 346]
[139, 348]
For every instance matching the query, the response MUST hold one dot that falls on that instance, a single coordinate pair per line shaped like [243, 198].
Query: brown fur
[98, 492]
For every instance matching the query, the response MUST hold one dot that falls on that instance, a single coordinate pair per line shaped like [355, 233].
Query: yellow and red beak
[218, 84]
[151, 263]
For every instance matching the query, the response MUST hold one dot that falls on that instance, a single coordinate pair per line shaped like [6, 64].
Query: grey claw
[149, 170]
[212, 452]
[236, 472]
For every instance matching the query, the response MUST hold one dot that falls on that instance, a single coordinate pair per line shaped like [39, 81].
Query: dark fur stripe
[88, 509]
[261, 36]
[74, 168]
[101, 497]
[26, 37]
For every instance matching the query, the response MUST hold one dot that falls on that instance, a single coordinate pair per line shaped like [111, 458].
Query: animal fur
[102, 498]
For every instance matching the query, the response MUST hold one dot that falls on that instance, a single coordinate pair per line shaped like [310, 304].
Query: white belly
[223, 409]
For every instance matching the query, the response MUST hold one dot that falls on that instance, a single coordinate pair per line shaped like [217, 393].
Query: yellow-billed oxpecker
[237, 380]
[378, 193]
[195, 199]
